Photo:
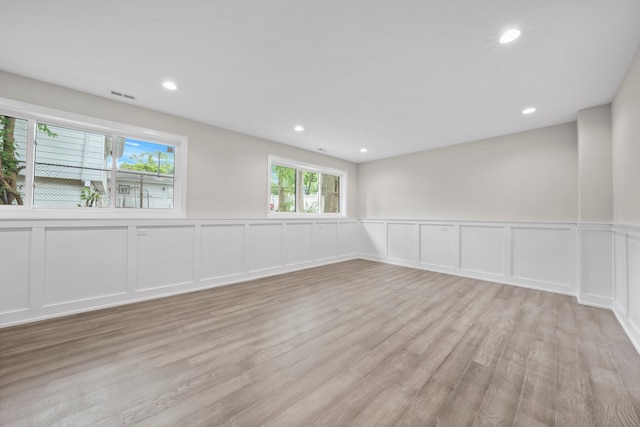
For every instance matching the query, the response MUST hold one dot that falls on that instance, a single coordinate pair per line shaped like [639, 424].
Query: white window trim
[61, 118]
[310, 168]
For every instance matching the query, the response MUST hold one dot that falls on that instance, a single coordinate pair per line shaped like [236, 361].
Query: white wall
[595, 164]
[227, 170]
[626, 201]
[595, 209]
[626, 147]
[529, 176]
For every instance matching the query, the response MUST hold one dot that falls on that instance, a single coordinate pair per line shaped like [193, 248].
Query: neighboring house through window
[53, 163]
[305, 189]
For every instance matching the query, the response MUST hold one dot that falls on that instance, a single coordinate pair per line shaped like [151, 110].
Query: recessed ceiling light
[169, 85]
[509, 36]
[298, 128]
[529, 110]
[363, 150]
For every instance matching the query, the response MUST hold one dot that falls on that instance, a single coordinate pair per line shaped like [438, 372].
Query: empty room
[320, 213]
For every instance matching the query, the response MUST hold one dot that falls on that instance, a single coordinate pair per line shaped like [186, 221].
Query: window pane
[283, 189]
[13, 145]
[70, 168]
[330, 193]
[145, 174]
[310, 192]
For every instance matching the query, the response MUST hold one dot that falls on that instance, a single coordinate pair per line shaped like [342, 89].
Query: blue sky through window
[135, 147]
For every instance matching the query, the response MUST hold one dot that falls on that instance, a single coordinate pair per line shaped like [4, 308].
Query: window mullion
[29, 164]
[299, 195]
[320, 207]
[112, 172]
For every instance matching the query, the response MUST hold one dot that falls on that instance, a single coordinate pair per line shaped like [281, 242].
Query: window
[305, 189]
[13, 146]
[145, 175]
[283, 189]
[70, 168]
[57, 162]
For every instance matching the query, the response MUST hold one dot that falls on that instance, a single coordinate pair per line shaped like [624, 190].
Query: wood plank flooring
[356, 343]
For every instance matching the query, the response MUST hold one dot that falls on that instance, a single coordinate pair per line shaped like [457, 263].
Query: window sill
[17, 213]
[309, 216]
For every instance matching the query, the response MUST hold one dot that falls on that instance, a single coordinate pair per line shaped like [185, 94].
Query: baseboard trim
[470, 274]
[595, 301]
[74, 307]
[630, 329]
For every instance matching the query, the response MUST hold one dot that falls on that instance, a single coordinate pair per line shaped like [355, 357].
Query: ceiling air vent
[122, 95]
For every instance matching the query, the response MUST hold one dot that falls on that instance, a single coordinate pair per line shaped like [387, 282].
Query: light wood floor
[355, 343]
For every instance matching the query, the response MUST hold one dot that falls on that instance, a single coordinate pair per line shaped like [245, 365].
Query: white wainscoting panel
[299, 243]
[437, 245]
[60, 267]
[374, 239]
[620, 277]
[349, 236]
[165, 256]
[596, 267]
[626, 297]
[221, 250]
[584, 260]
[534, 255]
[84, 263]
[325, 241]
[482, 249]
[633, 271]
[403, 242]
[14, 265]
[542, 254]
[265, 243]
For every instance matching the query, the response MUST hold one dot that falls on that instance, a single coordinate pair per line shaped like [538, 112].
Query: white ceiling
[393, 76]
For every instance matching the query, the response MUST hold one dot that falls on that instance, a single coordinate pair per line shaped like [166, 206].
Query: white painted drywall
[626, 147]
[625, 114]
[529, 176]
[227, 170]
[594, 164]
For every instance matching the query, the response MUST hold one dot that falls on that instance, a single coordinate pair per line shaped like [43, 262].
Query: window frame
[307, 167]
[37, 114]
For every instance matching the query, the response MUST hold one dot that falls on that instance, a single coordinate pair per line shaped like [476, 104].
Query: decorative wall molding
[534, 255]
[595, 265]
[626, 279]
[57, 267]
[599, 264]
